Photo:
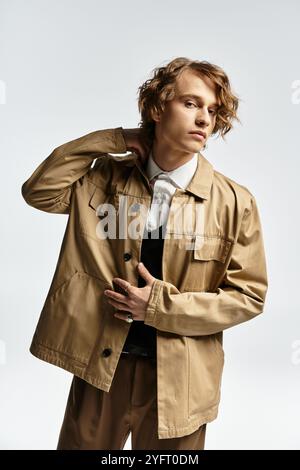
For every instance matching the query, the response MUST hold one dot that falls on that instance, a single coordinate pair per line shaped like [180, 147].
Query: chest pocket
[98, 219]
[208, 262]
[100, 197]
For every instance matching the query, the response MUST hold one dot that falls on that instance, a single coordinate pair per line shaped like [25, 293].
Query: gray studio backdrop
[68, 67]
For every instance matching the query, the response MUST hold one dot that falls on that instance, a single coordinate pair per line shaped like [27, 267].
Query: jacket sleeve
[50, 186]
[239, 298]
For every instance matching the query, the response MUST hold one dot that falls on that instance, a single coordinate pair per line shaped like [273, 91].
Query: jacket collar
[181, 176]
[200, 184]
[202, 180]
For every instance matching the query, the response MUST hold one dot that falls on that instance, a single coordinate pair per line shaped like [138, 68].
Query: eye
[213, 111]
[189, 102]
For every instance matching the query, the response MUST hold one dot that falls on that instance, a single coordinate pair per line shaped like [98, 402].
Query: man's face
[184, 114]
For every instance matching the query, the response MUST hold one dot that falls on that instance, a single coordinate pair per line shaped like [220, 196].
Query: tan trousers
[100, 420]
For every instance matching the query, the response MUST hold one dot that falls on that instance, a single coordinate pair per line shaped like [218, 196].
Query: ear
[155, 115]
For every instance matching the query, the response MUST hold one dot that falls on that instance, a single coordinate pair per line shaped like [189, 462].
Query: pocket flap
[99, 196]
[96, 198]
[211, 248]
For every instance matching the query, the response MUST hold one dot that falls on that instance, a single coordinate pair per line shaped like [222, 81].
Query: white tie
[162, 192]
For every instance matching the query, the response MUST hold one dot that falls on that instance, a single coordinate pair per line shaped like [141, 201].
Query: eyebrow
[197, 98]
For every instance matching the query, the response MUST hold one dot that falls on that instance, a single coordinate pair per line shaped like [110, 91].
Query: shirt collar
[181, 176]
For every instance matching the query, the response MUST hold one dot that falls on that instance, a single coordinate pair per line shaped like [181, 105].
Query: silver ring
[129, 318]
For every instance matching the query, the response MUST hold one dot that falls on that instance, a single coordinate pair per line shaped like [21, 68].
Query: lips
[199, 133]
[197, 136]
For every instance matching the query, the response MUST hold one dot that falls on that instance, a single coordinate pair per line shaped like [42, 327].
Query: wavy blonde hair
[154, 92]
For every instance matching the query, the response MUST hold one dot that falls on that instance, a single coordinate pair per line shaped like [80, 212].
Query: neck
[168, 158]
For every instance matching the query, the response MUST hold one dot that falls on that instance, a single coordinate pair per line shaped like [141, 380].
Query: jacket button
[106, 352]
[127, 256]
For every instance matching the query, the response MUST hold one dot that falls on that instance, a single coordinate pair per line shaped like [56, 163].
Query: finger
[121, 316]
[118, 316]
[119, 306]
[124, 284]
[116, 296]
[145, 273]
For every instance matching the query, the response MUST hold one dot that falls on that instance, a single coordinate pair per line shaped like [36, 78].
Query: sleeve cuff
[151, 309]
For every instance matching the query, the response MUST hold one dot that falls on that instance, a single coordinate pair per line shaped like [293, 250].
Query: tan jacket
[214, 273]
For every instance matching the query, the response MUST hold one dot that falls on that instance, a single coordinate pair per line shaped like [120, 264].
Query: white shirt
[164, 184]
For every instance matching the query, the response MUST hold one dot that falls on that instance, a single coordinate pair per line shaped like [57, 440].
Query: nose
[203, 118]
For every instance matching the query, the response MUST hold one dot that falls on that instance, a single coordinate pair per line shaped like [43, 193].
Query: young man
[144, 342]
